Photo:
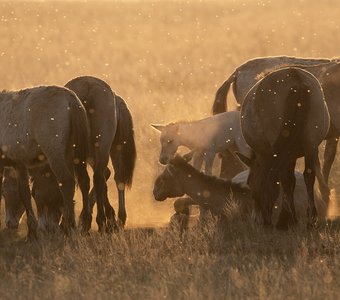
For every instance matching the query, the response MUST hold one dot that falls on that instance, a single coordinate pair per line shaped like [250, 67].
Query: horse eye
[169, 141]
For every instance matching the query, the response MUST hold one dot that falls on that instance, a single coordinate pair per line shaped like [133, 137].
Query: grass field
[166, 59]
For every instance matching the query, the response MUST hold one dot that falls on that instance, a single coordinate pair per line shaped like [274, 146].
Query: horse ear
[188, 157]
[158, 127]
[246, 160]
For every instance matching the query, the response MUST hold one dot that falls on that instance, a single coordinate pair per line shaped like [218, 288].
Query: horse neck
[187, 134]
[202, 190]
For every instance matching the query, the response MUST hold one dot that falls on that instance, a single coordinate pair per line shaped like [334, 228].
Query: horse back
[252, 70]
[100, 104]
[285, 101]
[35, 117]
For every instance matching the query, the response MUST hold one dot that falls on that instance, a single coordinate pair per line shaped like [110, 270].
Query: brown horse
[112, 136]
[182, 205]
[283, 117]
[249, 73]
[45, 125]
[14, 208]
[180, 178]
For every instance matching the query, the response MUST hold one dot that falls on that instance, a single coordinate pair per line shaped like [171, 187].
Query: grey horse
[45, 125]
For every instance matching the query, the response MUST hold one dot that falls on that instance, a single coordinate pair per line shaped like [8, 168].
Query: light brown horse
[112, 136]
[283, 117]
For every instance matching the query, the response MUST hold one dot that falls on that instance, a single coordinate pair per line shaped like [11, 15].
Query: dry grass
[166, 59]
[243, 261]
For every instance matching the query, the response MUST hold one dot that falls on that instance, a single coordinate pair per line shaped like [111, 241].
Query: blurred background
[165, 58]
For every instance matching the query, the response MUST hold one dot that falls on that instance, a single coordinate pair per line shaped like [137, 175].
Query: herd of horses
[51, 134]
[287, 107]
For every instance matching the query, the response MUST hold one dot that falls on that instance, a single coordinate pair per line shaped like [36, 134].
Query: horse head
[47, 196]
[169, 141]
[14, 208]
[167, 184]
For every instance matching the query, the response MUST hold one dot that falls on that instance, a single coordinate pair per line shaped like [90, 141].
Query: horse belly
[24, 153]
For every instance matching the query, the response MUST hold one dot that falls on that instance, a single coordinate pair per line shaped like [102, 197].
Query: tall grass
[240, 261]
[166, 59]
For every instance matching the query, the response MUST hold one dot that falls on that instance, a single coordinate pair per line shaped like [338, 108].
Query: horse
[180, 178]
[182, 205]
[205, 138]
[112, 135]
[329, 78]
[283, 117]
[328, 75]
[300, 197]
[45, 125]
[14, 208]
[250, 72]
[246, 75]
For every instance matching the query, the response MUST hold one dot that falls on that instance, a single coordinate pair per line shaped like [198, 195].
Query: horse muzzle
[158, 196]
[164, 160]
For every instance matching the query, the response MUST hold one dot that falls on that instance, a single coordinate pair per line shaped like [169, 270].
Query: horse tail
[220, 102]
[297, 106]
[80, 138]
[123, 151]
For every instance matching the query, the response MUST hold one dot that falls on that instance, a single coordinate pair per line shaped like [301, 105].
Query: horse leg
[25, 196]
[197, 160]
[1, 182]
[329, 156]
[209, 161]
[323, 185]
[309, 177]
[92, 195]
[62, 171]
[105, 218]
[85, 217]
[230, 165]
[287, 215]
[270, 194]
[197, 164]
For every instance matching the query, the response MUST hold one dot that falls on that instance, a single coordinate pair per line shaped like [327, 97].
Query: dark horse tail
[80, 137]
[296, 109]
[123, 151]
[220, 103]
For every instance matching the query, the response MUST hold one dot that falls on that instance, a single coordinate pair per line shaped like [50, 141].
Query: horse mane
[180, 163]
[267, 71]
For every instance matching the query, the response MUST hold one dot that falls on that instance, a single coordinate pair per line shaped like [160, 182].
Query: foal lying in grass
[180, 178]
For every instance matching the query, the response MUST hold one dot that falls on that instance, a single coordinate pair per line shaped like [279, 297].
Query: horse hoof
[111, 227]
[85, 221]
[121, 220]
[120, 224]
[101, 228]
[65, 228]
[32, 237]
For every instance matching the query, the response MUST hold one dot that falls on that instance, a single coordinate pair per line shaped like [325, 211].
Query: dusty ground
[166, 59]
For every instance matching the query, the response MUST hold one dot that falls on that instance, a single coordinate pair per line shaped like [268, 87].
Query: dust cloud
[166, 59]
